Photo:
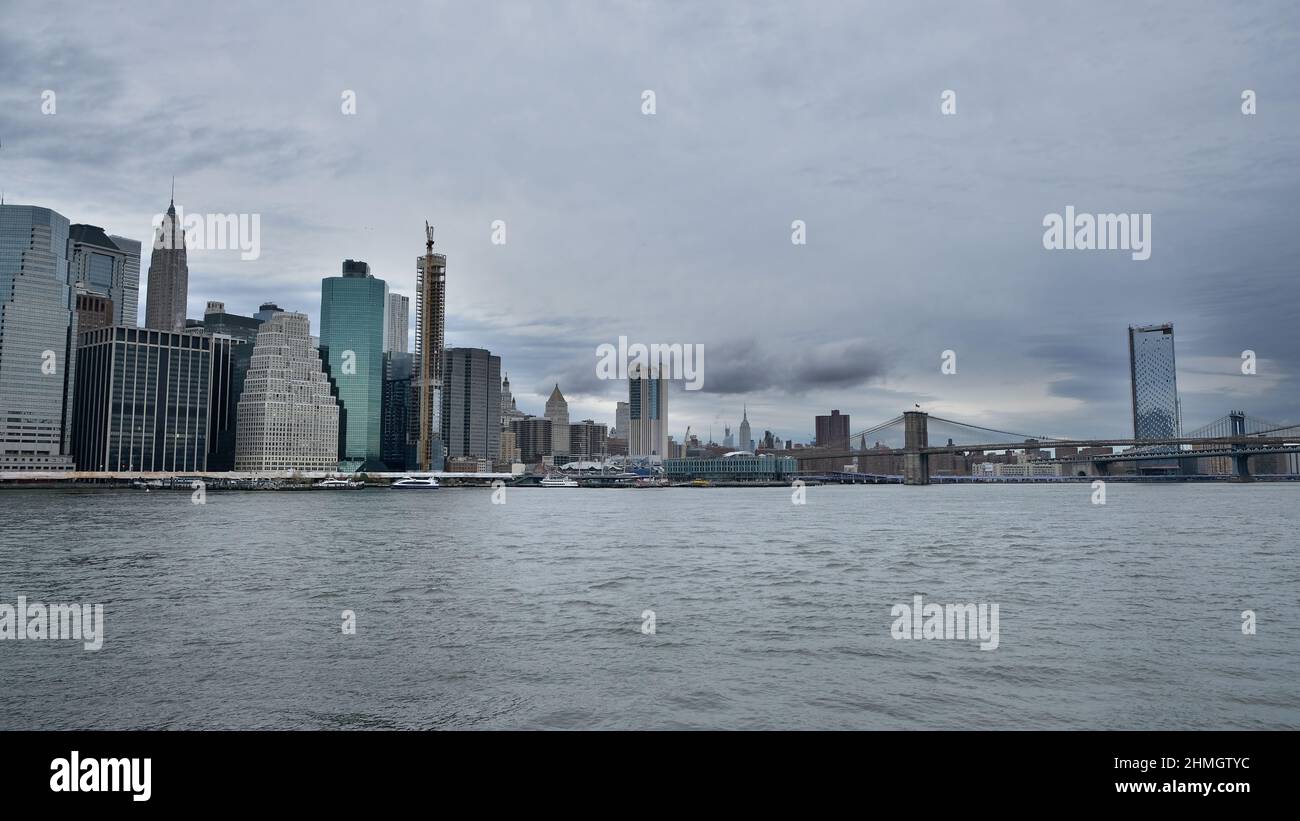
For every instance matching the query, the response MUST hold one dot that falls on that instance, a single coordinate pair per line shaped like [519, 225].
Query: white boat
[416, 483]
[334, 482]
[556, 480]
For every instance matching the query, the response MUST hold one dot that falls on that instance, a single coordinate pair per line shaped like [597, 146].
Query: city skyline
[888, 244]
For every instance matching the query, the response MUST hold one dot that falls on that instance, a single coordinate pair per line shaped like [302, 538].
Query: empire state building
[169, 276]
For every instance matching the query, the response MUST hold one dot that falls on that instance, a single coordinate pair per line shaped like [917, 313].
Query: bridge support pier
[1241, 468]
[916, 465]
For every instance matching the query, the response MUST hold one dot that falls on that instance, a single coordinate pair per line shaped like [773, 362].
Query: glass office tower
[35, 317]
[353, 324]
[1154, 382]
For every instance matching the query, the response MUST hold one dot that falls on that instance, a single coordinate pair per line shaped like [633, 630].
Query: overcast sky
[924, 231]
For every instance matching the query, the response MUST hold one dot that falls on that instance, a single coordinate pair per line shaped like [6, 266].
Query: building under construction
[430, 325]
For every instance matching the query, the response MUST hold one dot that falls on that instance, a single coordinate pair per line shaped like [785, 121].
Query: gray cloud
[924, 231]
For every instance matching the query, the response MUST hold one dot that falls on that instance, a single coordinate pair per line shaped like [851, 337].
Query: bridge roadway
[1232, 444]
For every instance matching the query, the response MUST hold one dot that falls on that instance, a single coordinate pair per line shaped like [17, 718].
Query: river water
[766, 614]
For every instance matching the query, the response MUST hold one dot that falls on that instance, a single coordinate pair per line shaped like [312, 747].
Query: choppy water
[768, 614]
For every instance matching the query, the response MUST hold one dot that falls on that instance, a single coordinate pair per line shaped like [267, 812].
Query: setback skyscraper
[557, 410]
[353, 315]
[169, 276]
[287, 418]
[745, 443]
[36, 305]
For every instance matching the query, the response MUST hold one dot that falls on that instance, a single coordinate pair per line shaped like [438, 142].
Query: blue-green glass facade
[353, 316]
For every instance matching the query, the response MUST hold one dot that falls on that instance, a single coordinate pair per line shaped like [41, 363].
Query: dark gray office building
[144, 399]
[471, 403]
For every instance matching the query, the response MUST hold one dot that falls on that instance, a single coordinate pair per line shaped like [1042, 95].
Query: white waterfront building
[287, 418]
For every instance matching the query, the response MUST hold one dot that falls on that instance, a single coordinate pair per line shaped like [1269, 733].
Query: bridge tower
[1240, 466]
[916, 436]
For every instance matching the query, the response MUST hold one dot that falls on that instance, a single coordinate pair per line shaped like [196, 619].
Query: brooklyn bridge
[1234, 438]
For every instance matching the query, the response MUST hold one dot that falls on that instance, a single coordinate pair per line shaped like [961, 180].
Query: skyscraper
[647, 413]
[143, 399]
[267, 310]
[1154, 382]
[287, 418]
[557, 410]
[622, 420]
[532, 437]
[509, 408]
[430, 326]
[745, 442]
[396, 444]
[36, 305]
[833, 430]
[169, 276]
[471, 403]
[232, 351]
[399, 323]
[587, 440]
[130, 310]
[353, 315]
[108, 267]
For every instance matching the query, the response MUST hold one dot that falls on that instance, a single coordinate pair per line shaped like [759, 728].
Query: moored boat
[416, 483]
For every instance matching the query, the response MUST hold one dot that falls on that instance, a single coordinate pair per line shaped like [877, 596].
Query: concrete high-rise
[647, 413]
[288, 420]
[533, 438]
[832, 430]
[588, 440]
[399, 323]
[36, 307]
[557, 410]
[169, 276]
[622, 420]
[353, 316]
[745, 443]
[471, 403]
[1154, 382]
